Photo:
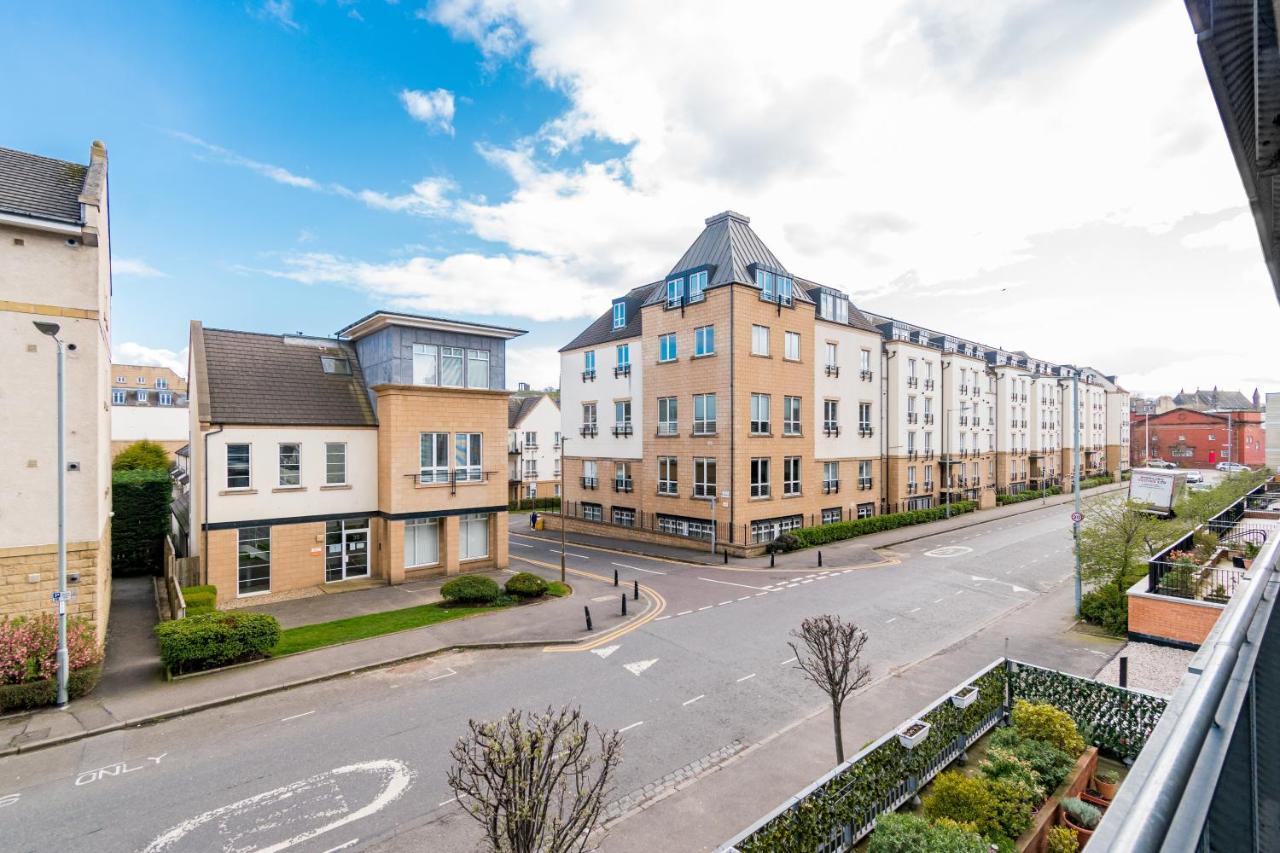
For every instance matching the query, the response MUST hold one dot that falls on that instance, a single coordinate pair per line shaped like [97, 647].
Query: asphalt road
[360, 761]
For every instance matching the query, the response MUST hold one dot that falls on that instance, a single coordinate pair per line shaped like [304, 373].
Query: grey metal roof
[601, 330]
[480, 327]
[41, 187]
[254, 378]
[856, 318]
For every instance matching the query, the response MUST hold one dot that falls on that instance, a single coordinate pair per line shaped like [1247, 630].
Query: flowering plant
[29, 648]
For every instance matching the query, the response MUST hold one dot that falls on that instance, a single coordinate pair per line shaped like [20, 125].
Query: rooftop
[41, 187]
[376, 320]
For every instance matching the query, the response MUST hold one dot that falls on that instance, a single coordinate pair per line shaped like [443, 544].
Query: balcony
[913, 382]
[531, 474]
[589, 376]
[912, 454]
[865, 375]
[831, 430]
[622, 429]
[928, 418]
[589, 482]
[912, 417]
[623, 484]
[588, 430]
[911, 488]
[667, 428]
[830, 487]
[964, 420]
[977, 422]
[928, 454]
[864, 484]
[622, 370]
[964, 389]
[833, 370]
[928, 385]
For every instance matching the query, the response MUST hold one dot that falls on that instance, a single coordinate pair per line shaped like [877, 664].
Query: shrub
[961, 798]
[908, 833]
[1010, 816]
[531, 504]
[1047, 723]
[1082, 814]
[807, 537]
[1051, 764]
[1028, 496]
[1063, 839]
[1106, 607]
[200, 599]
[141, 455]
[785, 542]
[140, 518]
[1002, 765]
[215, 639]
[526, 585]
[29, 648]
[471, 589]
[1107, 777]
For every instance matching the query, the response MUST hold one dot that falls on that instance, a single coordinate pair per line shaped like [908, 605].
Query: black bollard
[726, 556]
[587, 610]
[637, 591]
[615, 577]
[624, 604]
[771, 559]
[1124, 671]
[819, 559]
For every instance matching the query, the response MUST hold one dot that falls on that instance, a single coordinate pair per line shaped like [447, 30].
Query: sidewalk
[705, 811]
[133, 693]
[850, 552]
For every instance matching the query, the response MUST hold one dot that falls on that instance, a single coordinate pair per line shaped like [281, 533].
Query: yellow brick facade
[29, 577]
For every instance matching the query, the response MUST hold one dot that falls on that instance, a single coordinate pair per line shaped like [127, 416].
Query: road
[361, 761]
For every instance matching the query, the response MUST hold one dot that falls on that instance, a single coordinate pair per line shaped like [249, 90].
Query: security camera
[71, 347]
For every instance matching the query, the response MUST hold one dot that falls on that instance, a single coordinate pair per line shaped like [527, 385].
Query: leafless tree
[832, 659]
[532, 779]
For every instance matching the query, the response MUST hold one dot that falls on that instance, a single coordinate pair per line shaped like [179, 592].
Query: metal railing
[1175, 572]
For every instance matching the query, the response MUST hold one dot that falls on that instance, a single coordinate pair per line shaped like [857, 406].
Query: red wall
[1192, 430]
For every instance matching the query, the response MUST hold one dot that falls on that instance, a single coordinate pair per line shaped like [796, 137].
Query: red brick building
[1195, 439]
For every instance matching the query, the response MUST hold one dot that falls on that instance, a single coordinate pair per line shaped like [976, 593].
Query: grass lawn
[306, 637]
[557, 589]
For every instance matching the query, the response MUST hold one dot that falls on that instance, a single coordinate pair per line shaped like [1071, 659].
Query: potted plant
[913, 733]
[1106, 781]
[1081, 817]
[965, 696]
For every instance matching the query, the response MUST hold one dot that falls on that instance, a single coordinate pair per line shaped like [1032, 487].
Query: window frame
[700, 425]
[468, 457]
[791, 425]
[666, 341]
[791, 346]
[702, 487]
[668, 475]
[831, 416]
[619, 315]
[668, 415]
[760, 335]
[248, 466]
[258, 533]
[760, 485]
[282, 467]
[466, 523]
[328, 463]
[417, 524]
[759, 420]
[448, 354]
[424, 354]
[704, 341]
[475, 357]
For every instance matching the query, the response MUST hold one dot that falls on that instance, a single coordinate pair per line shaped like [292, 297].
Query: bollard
[771, 559]
[587, 610]
[637, 592]
[819, 559]
[1124, 672]
[624, 604]
[726, 556]
[615, 577]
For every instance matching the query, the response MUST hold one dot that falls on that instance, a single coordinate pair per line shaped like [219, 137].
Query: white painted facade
[848, 387]
[906, 366]
[534, 445]
[608, 387]
[154, 423]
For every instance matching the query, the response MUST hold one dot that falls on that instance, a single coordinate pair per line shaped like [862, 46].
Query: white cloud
[1237, 233]
[280, 11]
[434, 108]
[539, 366]
[135, 267]
[130, 352]
[429, 197]
[279, 174]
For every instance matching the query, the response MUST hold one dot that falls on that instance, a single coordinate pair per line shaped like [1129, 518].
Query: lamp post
[563, 439]
[51, 329]
[1075, 474]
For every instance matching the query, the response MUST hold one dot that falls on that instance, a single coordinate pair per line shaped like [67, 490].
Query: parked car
[1198, 486]
[1194, 476]
[1232, 467]
[1159, 463]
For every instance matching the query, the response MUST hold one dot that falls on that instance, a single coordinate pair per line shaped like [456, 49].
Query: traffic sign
[1077, 517]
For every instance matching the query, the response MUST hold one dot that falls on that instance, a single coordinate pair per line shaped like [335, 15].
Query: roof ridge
[43, 157]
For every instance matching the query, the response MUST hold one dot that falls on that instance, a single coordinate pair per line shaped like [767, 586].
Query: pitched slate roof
[1214, 399]
[856, 318]
[601, 330]
[518, 407]
[254, 378]
[41, 187]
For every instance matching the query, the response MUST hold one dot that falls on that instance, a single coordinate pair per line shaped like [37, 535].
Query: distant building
[1217, 401]
[1196, 439]
[148, 402]
[1273, 431]
[533, 446]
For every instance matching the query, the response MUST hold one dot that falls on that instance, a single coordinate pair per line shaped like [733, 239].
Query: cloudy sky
[1031, 174]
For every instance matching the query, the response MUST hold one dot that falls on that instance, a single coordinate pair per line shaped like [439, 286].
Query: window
[589, 364]
[831, 417]
[790, 415]
[667, 347]
[866, 510]
[911, 478]
[473, 536]
[331, 364]
[864, 418]
[142, 396]
[531, 469]
[421, 542]
[624, 517]
[667, 422]
[161, 382]
[704, 414]
[165, 398]
[697, 284]
[832, 354]
[675, 292]
[477, 368]
[833, 306]
[588, 419]
[928, 443]
[911, 368]
[531, 438]
[911, 410]
[704, 340]
[238, 466]
[784, 290]
[451, 366]
[335, 463]
[830, 477]
[142, 380]
[119, 379]
[791, 346]
[759, 340]
[622, 417]
[593, 512]
[864, 361]
[622, 481]
[624, 355]
[911, 443]
[467, 458]
[117, 397]
[760, 478]
[704, 477]
[590, 477]
[290, 464]
[759, 414]
[619, 314]
[667, 475]
[928, 478]
[679, 526]
[764, 280]
[254, 559]
[864, 474]
[831, 516]
[425, 365]
[769, 529]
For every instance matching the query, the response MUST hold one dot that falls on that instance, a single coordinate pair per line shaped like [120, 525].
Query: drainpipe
[946, 427]
[885, 355]
[204, 507]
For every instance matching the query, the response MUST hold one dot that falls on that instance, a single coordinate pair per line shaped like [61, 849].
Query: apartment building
[734, 396]
[148, 402]
[372, 457]
[55, 269]
[533, 446]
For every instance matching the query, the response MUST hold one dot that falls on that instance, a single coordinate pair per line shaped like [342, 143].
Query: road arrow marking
[639, 666]
[606, 651]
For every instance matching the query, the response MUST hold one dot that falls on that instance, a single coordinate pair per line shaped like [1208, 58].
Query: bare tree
[532, 780]
[832, 660]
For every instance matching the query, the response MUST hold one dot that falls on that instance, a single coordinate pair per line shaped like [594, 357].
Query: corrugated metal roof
[856, 318]
[601, 330]
[41, 187]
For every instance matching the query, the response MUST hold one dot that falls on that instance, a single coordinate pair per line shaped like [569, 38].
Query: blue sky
[1012, 173]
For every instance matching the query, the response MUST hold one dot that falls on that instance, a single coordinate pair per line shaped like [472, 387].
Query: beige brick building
[733, 390]
[374, 457]
[55, 267]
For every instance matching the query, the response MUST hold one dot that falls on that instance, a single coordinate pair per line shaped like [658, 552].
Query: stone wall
[29, 577]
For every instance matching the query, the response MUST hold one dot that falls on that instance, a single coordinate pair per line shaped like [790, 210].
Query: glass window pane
[425, 365]
[254, 560]
[451, 366]
[477, 369]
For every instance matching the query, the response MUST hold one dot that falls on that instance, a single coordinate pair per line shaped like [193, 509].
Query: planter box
[1035, 839]
[965, 697]
[913, 734]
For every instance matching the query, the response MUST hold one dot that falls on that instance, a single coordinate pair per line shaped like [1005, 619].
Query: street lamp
[51, 329]
[563, 439]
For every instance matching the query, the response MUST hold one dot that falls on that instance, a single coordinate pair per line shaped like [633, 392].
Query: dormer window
[619, 314]
[774, 288]
[675, 292]
[339, 366]
[697, 285]
[833, 306]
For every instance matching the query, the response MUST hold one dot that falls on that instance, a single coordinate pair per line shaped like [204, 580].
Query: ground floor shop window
[593, 512]
[473, 536]
[254, 557]
[924, 502]
[421, 542]
[346, 549]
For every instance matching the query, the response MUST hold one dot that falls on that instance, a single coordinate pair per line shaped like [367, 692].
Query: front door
[346, 549]
[1213, 456]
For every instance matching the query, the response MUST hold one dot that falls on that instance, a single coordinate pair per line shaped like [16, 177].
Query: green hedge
[1094, 482]
[1028, 496]
[807, 537]
[211, 640]
[200, 599]
[530, 504]
[471, 589]
[140, 501]
[526, 585]
[35, 694]
[142, 454]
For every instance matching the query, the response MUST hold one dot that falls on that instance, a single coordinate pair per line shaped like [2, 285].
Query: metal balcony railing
[830, 487]
[833, 370]
[588, 376]
[589, 482]
[622, 370]
[622, 429]
[865, 375]
[865, 431]
[623, 484]
[588, 430]
[831, 430]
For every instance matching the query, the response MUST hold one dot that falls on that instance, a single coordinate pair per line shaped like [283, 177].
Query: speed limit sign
[1077, 517]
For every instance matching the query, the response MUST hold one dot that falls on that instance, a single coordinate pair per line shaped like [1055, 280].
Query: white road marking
[352, 843]
[297, 716]
[599, 598]
[731, 583]
[745, 677]
[9, 799]
[522, 545]
[630, 727]
[570, 554]
[606, 651]
[398, 779]
[937, 600]
[694, 699]
[120, 768]
[744, 598]
[639, 666]
[959, 592]
[891, 619]
[951, 550]
[787, 661]
[708, 607]
[913, 610]
[790, 585]
[638, 569]
[451, 672]
[446, 802]
[681, 613]
[723, 603]
[807, 580]
[660, 618]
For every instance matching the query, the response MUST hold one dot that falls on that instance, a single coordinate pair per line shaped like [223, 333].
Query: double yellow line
[659, 605]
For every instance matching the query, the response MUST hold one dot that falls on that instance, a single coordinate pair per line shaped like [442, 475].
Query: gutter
[36, 224]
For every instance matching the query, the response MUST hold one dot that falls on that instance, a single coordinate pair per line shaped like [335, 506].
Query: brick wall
[1178, 620]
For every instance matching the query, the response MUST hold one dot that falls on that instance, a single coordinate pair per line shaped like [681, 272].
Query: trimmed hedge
[807, 537]
[1028, 496]
[35, 694]
[200, 599]
[140, 501]
[142, 454]
[471, 589]
[1094, 482]
[526, 585]
[530, 504]
[211, 640]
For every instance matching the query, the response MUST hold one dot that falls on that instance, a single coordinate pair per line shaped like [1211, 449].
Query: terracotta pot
[1095, 799]
[1108, 791]
[1084, 834]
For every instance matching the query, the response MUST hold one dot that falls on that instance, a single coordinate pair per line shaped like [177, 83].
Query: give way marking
[639, 666]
